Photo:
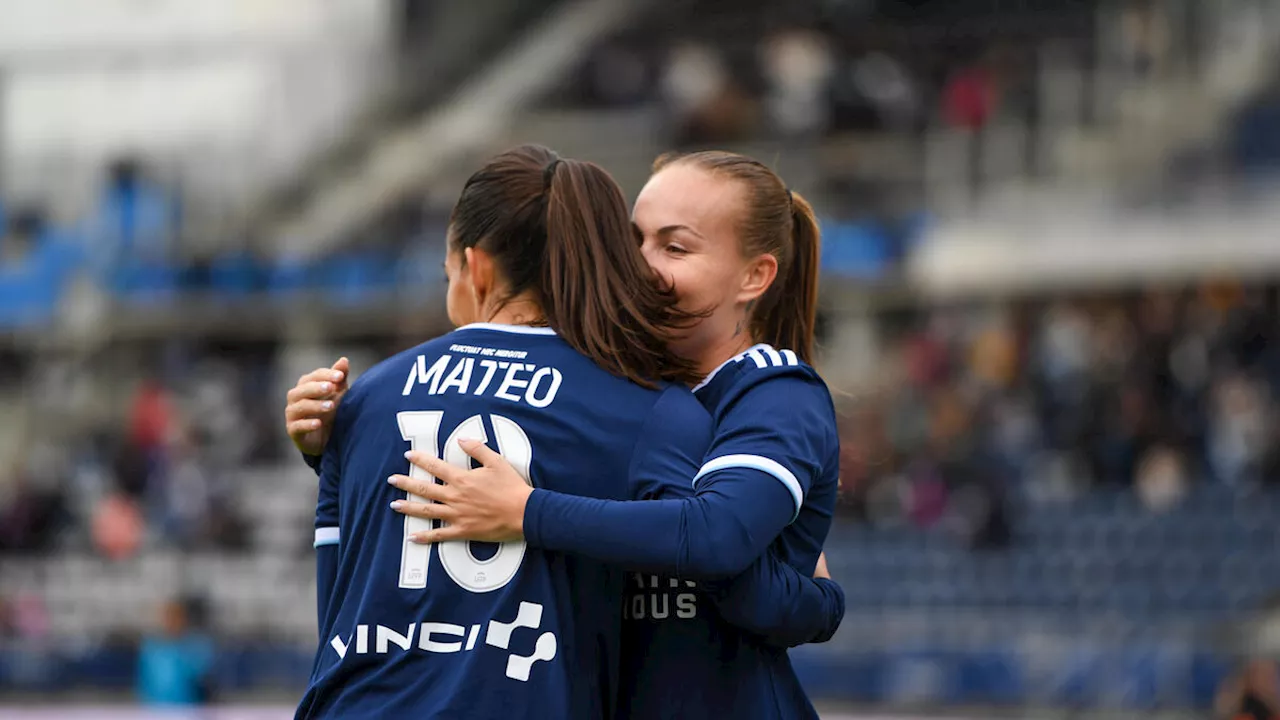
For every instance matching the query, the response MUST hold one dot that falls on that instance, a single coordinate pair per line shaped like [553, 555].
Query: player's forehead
[685, 195]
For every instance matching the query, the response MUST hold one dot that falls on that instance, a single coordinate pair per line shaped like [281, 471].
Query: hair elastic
[549, 173]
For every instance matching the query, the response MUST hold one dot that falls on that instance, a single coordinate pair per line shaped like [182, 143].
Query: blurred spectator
[118, 527]
[703, 102]
[1240, 430]
[7, 627]
[20, 234]
[798, 67]
[151, 417]
[969, 102]
[33, 514]
[1144, 36]
[889, 90]
[1255, 133]
[174, 665]
[971, 96]
[1162, 479]
[186, 496]
[29, 619]
[136, 219]
[1146, 392]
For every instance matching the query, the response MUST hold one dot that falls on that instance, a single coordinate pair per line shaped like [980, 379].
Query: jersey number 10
[422, 430]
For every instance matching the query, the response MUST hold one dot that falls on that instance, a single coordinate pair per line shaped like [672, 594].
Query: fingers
[312, 390]
[340, 371]
[441, 534]
[322, 375]
[298, 428]
[307, 409]
[481, 452]
[428, 489]
[438, 468]
[426, 511]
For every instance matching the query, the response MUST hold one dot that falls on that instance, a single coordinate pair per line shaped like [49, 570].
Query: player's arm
[328, 531]
[751, 486]
[328, 534]
[779, 604]
[742, 499]
[771, 599]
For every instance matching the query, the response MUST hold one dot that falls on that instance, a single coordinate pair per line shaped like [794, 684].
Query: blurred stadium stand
[1051, 312]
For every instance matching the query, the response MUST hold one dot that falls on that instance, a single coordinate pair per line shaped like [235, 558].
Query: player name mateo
[473, 370]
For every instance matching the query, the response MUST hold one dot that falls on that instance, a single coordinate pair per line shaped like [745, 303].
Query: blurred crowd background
[1051, 314]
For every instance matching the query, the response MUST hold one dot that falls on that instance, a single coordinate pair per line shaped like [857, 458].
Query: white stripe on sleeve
[763, 464]
[326, 536]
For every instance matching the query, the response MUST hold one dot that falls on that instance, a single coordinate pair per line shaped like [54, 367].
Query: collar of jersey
[514, 329]
[733, 359]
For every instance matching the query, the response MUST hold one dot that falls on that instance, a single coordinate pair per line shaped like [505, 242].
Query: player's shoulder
[677, 400]
[763, 371]
[392, 371]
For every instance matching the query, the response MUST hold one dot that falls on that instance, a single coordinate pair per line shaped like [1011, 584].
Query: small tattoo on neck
[751, 305]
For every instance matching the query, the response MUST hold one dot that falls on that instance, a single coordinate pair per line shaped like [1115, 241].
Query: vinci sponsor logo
[438, 637]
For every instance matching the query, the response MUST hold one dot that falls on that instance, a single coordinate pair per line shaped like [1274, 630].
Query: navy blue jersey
[479, 630]
[773, 414]
[761, 502]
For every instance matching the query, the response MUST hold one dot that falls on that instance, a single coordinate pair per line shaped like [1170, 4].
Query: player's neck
[518, 311]
[724, 351]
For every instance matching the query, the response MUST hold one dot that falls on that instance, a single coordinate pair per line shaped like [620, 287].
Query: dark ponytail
[559, 230]
[779, 222]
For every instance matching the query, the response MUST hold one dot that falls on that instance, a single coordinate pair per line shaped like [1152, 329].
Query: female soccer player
[721, 228]
[741, 249]
[556, 310]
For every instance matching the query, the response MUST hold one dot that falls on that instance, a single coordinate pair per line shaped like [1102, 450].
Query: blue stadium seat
[289, 276]
[235, 274]
[355, 277]
[855, 250]
[142, 282]
[30, 290]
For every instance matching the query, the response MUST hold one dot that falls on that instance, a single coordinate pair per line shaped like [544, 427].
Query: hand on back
[312, 405]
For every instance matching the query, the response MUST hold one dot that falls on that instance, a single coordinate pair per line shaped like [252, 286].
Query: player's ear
[479, 269]
[758, 274]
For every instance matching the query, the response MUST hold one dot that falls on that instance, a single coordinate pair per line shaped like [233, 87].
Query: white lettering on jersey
[552, 378]
[490, 367]
[510, 381]
[420, 375]
[459, 377]
[447, 638]
[385, 635]
[488, 351]
[518, 381]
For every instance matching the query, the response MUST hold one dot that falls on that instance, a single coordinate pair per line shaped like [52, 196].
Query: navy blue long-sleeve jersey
[479, 630]
[768, 484]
